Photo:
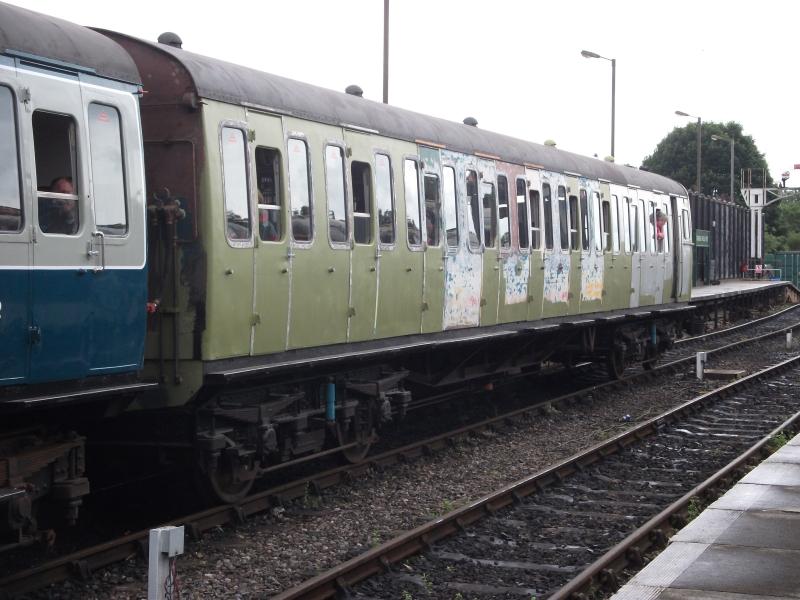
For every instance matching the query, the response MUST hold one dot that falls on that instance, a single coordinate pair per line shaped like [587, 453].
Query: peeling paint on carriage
[556, 278]
[516, 270]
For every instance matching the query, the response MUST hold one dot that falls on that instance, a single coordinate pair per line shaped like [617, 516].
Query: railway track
[84, 563]
[541, 536]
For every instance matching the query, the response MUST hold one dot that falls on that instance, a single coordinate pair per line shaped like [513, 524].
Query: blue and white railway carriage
[72, 256]
[72, 205]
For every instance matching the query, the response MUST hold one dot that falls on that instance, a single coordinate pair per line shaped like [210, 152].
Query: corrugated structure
[729, 227]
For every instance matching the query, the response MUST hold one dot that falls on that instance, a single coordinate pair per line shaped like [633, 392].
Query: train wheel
[615, 363]
[358, 431]
[229, 478]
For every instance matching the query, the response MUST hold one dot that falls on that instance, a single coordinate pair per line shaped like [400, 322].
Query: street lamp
[722, 138]
[680, 113]
[587, 54]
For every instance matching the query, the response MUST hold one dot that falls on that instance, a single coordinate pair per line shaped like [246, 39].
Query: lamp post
[680, 113]
[587, 54]
[386, 51]
[722, 138]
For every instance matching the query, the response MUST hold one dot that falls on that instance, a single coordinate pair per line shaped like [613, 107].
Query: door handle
[34, 334]
[99, 235]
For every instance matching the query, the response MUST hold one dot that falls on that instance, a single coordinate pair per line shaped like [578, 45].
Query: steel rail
[745, 325]
[84, 562]
[380, 559]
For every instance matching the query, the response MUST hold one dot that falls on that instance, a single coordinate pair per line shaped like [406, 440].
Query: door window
[108, 172]
[432, 209]
[413, 216]
[56, 154]
[338, 230]
[11, 217]
[383, 193]
[450, 206]
[547, 208]
[489, 214]
[300, 191]
[362, 202]
[474, 207]
[270, 200]
[504, 216]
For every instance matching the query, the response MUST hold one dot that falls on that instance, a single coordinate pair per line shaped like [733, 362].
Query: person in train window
[661, 220]
[60, 215]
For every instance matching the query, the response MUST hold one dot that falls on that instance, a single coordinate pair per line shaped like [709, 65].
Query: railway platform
[733, 287]
[744, 546]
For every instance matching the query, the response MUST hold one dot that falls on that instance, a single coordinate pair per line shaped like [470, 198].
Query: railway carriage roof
[24, 32]
[226, 82]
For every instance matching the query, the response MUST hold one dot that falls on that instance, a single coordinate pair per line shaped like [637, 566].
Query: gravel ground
[277, 550]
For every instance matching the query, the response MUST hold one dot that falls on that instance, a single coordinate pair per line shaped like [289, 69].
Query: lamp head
[587, 54]
[680, 113]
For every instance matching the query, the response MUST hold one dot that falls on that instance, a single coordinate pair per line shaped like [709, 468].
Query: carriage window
[362, 202]
[300, 191]
[624, 225]
[575, 242]
[489, 214]
[584, 220]
[234, 175]
[563, 217]
[338, 230]
[633, 225]
[536, 221]
[646, 222]
[687, 232]
[662, 228]
[108, 177]
[597, 217]
[268, 172]
[383, 194]
[474, 217]
[651, 229]
[547, 208]
[616, 224]
[524, 229]
[503, 218]
[450, 207]
[56, 154]
[607, 243]
[433, 209]
[413, 217]
[10, 201]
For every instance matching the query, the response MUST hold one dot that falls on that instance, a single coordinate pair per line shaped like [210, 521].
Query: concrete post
[789, 340]
[700, 365]
[166, 543]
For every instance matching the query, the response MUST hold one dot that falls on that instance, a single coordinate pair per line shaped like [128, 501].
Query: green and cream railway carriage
[316, 256]
[315, 263]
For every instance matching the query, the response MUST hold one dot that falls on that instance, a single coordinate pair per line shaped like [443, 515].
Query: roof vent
[551, 143]
[609, 158]
[471, 121]
[170, 39]
[354, 90]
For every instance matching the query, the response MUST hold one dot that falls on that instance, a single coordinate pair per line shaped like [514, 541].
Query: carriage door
[649, 272]
[117, 251]
[272, 275]
[633, 245]
[682, 238]
[63, 227]
[15, 246]
[491, 258]
[463, 224]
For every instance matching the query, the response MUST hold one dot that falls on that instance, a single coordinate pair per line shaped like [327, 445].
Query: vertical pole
[613, 100]
[732, 198]
[700, 364]
[699, 159]
[386, 51]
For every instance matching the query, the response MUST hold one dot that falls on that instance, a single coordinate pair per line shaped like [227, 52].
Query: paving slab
[774, 473]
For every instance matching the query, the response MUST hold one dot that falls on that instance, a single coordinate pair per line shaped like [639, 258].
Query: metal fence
[729, 239]
[786, 264]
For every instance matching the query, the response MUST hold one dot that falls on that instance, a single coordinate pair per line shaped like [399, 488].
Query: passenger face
[62, 186]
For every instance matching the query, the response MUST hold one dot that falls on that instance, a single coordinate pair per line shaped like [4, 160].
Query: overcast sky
[514, 65]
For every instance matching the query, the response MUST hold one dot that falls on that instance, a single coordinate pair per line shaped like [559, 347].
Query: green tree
[782, 226]
[676, 157]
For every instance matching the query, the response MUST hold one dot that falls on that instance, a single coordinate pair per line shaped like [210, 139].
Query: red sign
[797, 166]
